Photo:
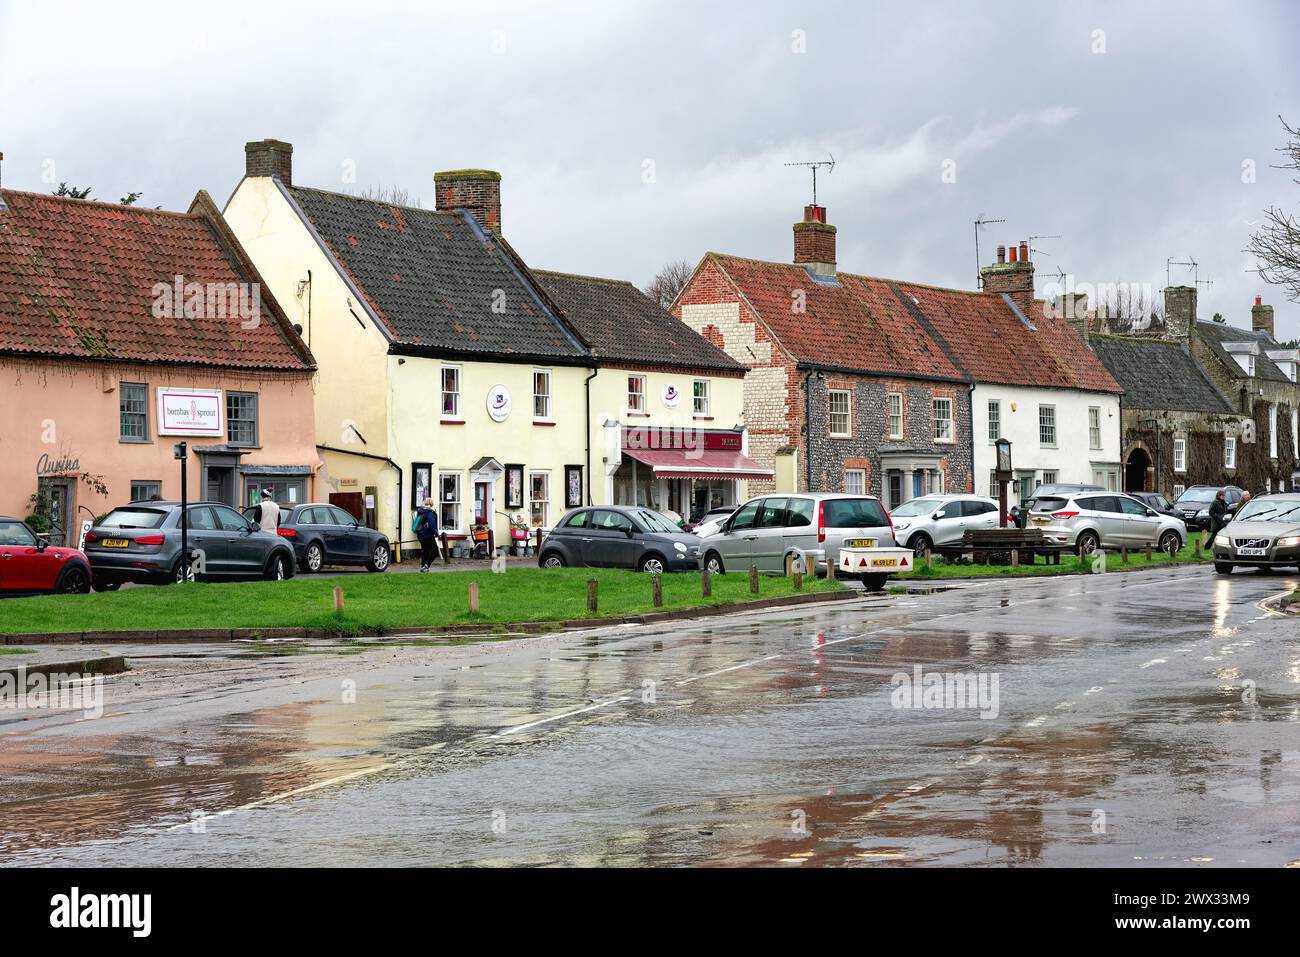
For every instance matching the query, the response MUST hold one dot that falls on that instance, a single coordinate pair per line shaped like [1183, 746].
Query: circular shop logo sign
[671, 396]
[498, 403]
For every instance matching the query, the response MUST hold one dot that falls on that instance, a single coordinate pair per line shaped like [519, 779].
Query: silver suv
[773, 530]
[935, 521]
[1087, 521]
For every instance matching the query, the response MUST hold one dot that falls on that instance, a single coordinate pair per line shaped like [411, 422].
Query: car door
[23, 567]
[1109, 519]
[948, 522]
[979, 514]
[769, 536]
[800, 535]
[206, 543]
[354, 542]
[609, 542]
[1142, 526]
[570, 537]
[246, 552]
[735, 543]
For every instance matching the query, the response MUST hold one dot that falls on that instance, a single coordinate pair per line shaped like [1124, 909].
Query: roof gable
[1159, 374]
[1224, 339]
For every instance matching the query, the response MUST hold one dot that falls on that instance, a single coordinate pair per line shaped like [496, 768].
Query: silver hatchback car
[1088, 521]
[772, 531]
[937, 521]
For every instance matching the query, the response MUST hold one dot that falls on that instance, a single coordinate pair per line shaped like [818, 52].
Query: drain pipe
[807, 427]
[586, 385]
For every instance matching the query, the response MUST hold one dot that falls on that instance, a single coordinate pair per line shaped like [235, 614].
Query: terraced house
[124, 331]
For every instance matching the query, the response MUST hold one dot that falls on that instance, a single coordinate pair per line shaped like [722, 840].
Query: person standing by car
[268, 513]
[1218, 514]
[426, 530]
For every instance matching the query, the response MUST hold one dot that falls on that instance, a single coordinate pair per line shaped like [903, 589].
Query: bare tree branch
[669, 281]
[1276, 244]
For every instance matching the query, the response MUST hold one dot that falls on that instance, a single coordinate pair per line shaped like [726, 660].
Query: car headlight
[680, 547]
[902, 526]
[1293, 540]
[1222, 540]
[1203, 513]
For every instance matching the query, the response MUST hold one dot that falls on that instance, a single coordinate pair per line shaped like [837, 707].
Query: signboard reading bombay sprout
[190, 412]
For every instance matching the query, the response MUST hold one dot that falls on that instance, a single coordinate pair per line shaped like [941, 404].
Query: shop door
[221, 485]
[483, 503]
[56, 496]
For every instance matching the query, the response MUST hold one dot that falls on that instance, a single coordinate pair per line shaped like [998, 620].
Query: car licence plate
[1252, 552]
[884, 563]
[1042, 521]
[116, 543]
[860, 543]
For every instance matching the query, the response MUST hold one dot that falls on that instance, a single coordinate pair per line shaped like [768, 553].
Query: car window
[133, 518]
[229, 519]
[745, 517]
[1198, 495]
[16, 533]
[1132, 507]
[970, 509]
[655, 521]
[576, 520]
[610, 521]
[917, 506]
[853, 513]
[201, 519]
[1270, 510]
[773, 513]
[340, 516]
[799, 513]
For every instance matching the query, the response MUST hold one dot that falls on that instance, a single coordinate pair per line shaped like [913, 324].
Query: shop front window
[449, 500]
[539, 498]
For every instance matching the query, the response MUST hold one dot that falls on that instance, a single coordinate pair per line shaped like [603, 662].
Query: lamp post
[182, 454]
[1003, 476]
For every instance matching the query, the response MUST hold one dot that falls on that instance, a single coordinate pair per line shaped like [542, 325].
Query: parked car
[1264, 533]
[324, 534]
[619, 536]
[1091, 520]
[712, 520]
[772, 531]
[141, 542]
[1193, 506]
[29, 565]
[1156, 501]
[934, 521]
[1058, 489]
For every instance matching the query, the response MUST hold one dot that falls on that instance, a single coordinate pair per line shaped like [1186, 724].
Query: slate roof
[433, 279]
[893, 327]
[623, 324]
[77, 281]
[1215, 334]
[1159, 374]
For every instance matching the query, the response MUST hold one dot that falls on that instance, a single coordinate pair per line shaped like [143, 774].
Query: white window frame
[1051, 476]
[457, 503]
[1272, 430]
[542, 400]
[533, 502]
[939, 434]
[1229, 452]
[995, 489]
[1050, 411]
[995, 420]
[831, 413]
[891, 400]
[456, 393]
[636, 396]
[858, 487]
[1094, 426]
[700, 408]
[937, 485]
[1180, 455]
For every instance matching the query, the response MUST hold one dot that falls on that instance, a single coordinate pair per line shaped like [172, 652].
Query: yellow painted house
[447, 370]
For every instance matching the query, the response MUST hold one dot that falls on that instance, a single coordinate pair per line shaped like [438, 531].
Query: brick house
[847, 390]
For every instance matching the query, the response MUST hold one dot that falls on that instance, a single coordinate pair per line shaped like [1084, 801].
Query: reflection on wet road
[1139, 719]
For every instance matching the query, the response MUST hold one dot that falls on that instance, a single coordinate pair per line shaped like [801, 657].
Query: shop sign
[190, 412]
[60, 466]
[498, 403]
[686, 439]
[671, 396]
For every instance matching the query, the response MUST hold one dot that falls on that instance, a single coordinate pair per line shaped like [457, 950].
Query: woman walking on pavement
[426, 530]
[1218, 514]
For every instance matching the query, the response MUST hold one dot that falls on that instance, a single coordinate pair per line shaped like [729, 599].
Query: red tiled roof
[892, 327]
[77, 280]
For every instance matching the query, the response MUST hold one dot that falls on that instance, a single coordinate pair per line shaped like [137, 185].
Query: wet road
[1140, 719]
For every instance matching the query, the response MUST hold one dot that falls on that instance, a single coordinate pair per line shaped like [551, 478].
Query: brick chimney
[1261, 317]
[269, 158]
[1180, 313]
[1014, 275]
[477, 191]
[814, 241]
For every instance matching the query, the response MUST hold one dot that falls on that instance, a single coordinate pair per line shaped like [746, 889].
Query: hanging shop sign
[498, 403]
[675, 437]
[190, 412]
[671, 396]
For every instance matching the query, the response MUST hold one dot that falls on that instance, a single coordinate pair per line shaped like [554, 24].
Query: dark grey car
[141, 542]
[618, 536]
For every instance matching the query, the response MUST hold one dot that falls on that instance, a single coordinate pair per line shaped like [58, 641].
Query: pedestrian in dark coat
[1218, 514]
[426, 530]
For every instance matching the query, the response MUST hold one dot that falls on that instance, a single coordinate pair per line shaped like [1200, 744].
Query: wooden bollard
[753, 579]
[797, 578]
[338, 598]
[473, 597]
[1196, 545]
[1015, 557]
[927, 558]
[592, 585]
[446, 550]
[1148, 551]
[706, 583]
[657, 590]
[1123, 554]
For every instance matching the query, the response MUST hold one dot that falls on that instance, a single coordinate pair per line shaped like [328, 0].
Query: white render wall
[1072, 458]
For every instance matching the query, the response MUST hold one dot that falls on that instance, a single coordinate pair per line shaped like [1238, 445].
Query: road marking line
[723, 671]
[557, 717]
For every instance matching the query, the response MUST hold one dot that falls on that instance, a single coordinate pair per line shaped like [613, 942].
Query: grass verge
[381, 601]
[1070, 565]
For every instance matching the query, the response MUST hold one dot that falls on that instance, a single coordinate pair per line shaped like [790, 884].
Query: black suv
[1193, 506]
[327, 535]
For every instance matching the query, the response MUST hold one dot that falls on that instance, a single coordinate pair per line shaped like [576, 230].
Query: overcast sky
[633, 133]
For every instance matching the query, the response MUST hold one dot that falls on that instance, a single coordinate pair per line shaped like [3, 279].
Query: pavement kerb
[103, 665]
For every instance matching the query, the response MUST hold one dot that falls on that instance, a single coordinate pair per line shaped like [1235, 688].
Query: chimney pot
[1013, 254]
[1259, 300]
[814, 241]
[477, 191]
[1024, 251]
[269, 158]
[1002, 254]
[1261, 317]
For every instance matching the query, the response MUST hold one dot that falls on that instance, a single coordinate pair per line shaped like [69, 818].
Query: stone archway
[1136, 470]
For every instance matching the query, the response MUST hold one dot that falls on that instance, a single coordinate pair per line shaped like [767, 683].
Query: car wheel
[178, 576]
[314, 559]
[74, 580]
[652, 564]
[1223, 568]
[378, 558]
[713, 564]
[553, 560]
[278, 568]
[1171, 543]
[874, 582]
[106, 586]
[919, 543]
[1087, 543]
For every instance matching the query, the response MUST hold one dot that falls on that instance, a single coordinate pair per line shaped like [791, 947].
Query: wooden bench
[994, 546]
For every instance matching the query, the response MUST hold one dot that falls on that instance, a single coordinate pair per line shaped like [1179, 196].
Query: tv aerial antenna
[980, 223]
[1191, 264]
[1035, 250]
[829, 164]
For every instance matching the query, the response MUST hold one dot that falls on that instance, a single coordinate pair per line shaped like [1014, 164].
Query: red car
[30, 565]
